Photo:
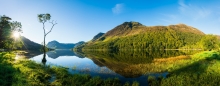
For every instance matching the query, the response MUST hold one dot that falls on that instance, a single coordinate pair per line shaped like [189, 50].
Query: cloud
[118, 8]
[193, 11]
[169, 18]
[218, 14]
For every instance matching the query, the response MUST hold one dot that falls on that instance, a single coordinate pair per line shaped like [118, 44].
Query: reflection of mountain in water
[57, 53]
[129, 64]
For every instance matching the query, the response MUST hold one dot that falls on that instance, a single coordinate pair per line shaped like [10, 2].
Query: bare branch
[53, 24]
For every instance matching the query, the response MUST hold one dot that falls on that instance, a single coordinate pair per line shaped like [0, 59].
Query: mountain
[134, 35]
[79, 43]
[57, 45]
[32, 49]
[29, 45]
[97, 36]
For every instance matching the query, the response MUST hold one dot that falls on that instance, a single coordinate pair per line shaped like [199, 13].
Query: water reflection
[58, 53]
[44, 59]
[125, 65]
[130, 64]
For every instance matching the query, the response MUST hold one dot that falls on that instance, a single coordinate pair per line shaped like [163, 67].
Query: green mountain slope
[133, 35]
[29, 45]
[97, 36]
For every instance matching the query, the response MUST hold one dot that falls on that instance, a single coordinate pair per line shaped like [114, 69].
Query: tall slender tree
[43, 18]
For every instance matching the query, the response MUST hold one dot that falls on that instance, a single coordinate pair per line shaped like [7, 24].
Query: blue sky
[80, 20]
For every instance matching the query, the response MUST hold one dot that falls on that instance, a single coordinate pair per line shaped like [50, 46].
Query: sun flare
[16, 34]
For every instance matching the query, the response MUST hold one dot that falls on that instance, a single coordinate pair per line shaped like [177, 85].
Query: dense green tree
[4, 30]
[209, 42]
[16, 26]
[7, 29]
[16, 30]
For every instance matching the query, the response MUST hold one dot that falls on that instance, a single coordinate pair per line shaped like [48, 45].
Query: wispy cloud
[169, 18]
[118, 8]
[218, 14]
[193, 11]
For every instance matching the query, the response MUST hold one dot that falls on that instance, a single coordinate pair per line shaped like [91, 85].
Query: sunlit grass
[196, 69]
[202, 70]
[29, 73]
[186, 70]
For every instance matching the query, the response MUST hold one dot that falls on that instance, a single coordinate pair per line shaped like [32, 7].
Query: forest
[133, 35]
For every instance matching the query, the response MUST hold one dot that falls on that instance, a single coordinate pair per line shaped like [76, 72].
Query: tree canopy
[209, 42]
[7, 28]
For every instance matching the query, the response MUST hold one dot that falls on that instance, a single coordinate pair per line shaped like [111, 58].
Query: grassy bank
[198, 69]
[201, 69]
[29, 73]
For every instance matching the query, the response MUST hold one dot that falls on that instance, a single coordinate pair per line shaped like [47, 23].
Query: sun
[16, 35]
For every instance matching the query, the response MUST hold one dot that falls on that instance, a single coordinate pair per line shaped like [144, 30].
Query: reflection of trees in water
[135, 57]
[129, 63]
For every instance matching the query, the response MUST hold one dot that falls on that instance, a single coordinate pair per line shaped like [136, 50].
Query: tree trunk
[44, 48]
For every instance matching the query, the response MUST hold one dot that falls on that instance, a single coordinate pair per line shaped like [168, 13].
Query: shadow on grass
[198, 67]
[203, 72]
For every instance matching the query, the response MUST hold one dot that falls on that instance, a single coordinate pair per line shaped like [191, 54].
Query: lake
[128, 66]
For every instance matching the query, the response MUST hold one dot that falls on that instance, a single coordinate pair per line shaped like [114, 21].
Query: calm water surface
[108, 64]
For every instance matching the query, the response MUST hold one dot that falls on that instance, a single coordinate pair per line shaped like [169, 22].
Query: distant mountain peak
[57, 45]
[132, 24]
[123, 28]
[97, 36]
[129, 25]
[54, 41]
